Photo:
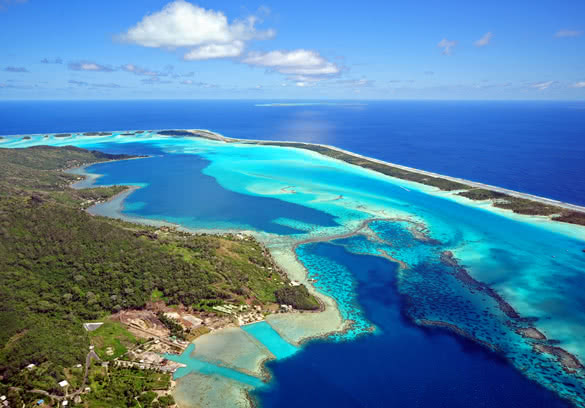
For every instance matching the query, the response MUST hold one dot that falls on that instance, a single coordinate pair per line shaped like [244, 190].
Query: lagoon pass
[512, 284]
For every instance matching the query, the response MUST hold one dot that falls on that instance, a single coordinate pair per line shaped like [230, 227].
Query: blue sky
[150, 49]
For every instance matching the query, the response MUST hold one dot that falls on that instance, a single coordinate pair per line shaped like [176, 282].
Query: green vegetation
[174, 327]
[112, 340]
[298, 297]
[386, 169]
[34, 172]
[61, 267]
[524, 206]
[127, 387]
[97, 134]
[516, 204]
[572, 217]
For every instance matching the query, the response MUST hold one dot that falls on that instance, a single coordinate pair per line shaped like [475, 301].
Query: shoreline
[130, 188]
[113, 207]
[211, 135]
[472, 185]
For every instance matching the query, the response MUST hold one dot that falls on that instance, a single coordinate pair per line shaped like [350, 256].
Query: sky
[302, 49]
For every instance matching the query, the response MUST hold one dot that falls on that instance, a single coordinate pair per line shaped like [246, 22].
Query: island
[159, 306]
[88, 304]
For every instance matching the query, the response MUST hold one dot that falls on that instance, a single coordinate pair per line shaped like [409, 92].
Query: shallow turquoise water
[264, 333]
[538, 267]
[204, 367]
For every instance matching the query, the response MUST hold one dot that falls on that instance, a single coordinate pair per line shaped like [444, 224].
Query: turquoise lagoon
[289, 197]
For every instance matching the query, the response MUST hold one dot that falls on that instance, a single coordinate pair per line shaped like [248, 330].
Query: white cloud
[207, 32]
[541, 86]
[295, 62]
[484, 40]
[447, 46]
[580, 84]
[568, 33]
[89, 66]
[210, 51]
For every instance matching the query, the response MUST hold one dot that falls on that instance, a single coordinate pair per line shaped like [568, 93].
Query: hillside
[60, 266]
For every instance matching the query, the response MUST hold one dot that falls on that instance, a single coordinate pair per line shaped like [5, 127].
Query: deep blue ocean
[534, 147]
[403, 365]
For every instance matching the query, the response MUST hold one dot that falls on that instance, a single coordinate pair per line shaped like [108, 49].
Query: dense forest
[60, 266]
[297, 296]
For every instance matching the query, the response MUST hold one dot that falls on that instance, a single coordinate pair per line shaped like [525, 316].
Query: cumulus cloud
[89, 66]
[15, 69]
[541, 86]
[568, 33]
[52, 61]
[580, 84]
[208, 33]
[295, 62]
[211, 51]
[484, 40]
[447, 46]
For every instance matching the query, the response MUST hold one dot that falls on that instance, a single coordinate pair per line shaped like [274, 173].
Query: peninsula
[87, 302]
